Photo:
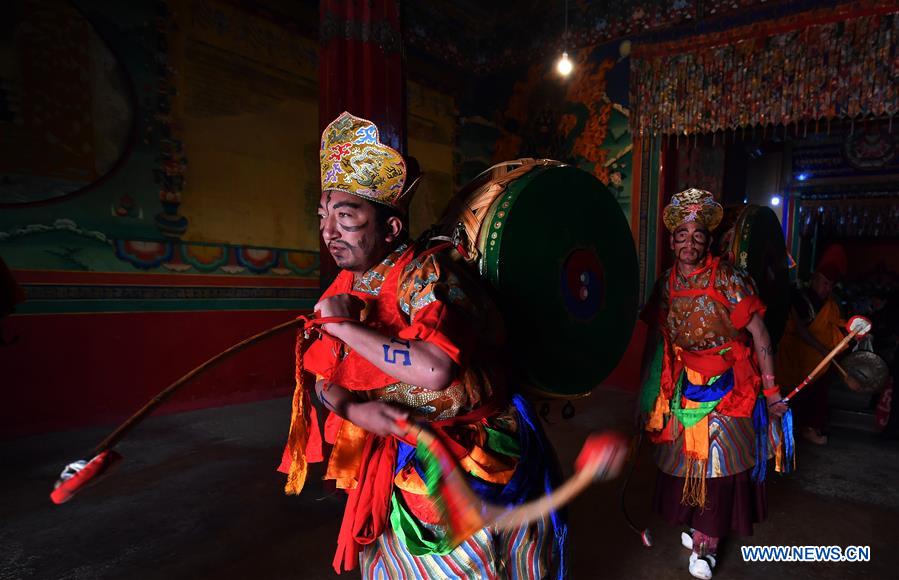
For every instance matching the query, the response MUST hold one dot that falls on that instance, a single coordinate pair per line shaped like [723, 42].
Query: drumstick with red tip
[463, 513]
[858, 326]
[79, 474]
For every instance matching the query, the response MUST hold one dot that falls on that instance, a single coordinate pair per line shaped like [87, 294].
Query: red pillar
[361, 70]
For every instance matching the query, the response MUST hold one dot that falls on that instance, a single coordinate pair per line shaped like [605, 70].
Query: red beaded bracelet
[775, 390]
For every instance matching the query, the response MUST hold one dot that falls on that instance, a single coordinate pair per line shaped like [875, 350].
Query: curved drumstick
[602, 457]
[645, 534]
[78, 474]
[857, 326]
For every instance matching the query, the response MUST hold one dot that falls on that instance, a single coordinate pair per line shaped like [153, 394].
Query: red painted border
[68, 371]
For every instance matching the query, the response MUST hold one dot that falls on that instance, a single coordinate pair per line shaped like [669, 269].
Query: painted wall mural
[97, 183]
[78, 91]
[582, 120]
[246, 109]
[66, 107]
[102, 233]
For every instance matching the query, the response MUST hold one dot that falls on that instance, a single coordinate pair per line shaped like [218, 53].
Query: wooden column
[361, 70]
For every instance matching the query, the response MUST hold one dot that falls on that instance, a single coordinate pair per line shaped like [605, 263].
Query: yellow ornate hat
[354, 160]
[693, 205]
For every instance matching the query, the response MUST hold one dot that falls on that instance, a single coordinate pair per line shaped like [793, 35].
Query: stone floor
[198, 497]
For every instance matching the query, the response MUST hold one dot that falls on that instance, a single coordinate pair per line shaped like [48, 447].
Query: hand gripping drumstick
[858, 326]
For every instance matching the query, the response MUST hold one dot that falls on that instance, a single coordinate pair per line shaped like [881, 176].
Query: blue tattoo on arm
[407, 357]
[324, 399]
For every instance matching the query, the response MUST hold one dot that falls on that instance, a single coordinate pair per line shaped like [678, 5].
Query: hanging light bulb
[564, 66]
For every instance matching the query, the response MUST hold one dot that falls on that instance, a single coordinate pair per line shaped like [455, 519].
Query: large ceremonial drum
[555, 246]
[760, 249]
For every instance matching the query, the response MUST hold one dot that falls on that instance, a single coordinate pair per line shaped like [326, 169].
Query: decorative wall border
[64, 292]
[176, 256]
[208, 258]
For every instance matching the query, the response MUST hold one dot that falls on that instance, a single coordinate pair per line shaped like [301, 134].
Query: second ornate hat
[693, 205]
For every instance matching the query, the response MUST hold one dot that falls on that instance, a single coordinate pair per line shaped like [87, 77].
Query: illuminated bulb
[564, 65]
[775, 200]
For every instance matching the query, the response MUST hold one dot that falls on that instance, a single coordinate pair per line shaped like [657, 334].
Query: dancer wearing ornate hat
[424, 342]
[709, 388]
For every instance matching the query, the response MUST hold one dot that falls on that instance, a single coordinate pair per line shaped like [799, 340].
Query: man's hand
[776, 406]
[343, 305]
[376, 417]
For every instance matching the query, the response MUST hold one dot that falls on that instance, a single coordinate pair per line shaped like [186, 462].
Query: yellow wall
[247, 107]
[431, 135]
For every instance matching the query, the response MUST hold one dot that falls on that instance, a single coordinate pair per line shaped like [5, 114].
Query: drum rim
[488, 263]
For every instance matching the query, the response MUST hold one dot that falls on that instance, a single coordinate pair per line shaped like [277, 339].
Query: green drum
[759, 248]
[555, 246]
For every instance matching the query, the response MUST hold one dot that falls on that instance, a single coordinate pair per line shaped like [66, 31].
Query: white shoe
[686, 539]
[701, 566]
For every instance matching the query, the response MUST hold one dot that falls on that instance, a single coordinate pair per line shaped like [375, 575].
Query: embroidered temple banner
[833, 63]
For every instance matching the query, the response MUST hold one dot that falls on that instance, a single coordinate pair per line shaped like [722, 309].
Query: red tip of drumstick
[78, 475]
[860, 325]
[606, 450]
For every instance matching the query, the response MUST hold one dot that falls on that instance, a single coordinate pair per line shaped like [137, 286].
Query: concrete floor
[198, 497]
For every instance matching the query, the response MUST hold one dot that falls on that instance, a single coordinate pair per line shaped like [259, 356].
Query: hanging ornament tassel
[760, 424]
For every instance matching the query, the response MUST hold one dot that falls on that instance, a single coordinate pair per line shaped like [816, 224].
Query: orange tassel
[299, 428]
[694, 492]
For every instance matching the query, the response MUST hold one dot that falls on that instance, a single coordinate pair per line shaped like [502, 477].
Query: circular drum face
[558, 250]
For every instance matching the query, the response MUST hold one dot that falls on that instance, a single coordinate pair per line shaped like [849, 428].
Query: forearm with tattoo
[391, 352]
[335, 398]
[763, 348]
[416, 362]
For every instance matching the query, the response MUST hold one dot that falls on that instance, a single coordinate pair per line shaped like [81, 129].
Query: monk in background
[813, 329]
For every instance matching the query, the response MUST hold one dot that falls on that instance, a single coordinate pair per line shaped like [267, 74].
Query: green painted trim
[490, 239]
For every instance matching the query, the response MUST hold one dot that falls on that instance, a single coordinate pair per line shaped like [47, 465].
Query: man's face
[349, 229]
[690, 243]
[821, 285]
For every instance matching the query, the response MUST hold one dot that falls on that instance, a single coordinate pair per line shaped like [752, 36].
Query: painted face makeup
[690, 243]
[349, 229]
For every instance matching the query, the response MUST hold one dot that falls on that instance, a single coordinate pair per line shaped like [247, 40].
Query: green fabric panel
[689, 417]
[418, 540]
[649, 390]
[502, 443]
